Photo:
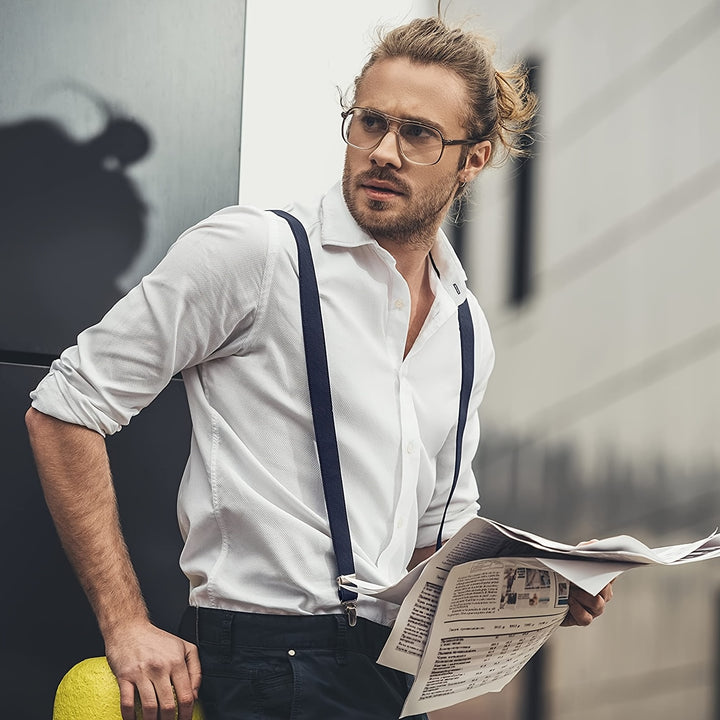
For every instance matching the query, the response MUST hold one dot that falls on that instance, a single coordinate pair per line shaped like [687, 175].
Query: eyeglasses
[364, 129]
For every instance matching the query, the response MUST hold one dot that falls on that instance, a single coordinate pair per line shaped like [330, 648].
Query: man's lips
[380, 189]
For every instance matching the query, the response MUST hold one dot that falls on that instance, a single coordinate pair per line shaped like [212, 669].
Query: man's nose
[388, 150]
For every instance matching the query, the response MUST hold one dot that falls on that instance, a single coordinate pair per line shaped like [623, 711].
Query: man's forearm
[148, 662]
[75, 474]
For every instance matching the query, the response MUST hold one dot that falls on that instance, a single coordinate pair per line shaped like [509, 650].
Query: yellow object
[89, 691]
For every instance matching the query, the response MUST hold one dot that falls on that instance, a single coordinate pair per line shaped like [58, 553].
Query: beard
[416, 223]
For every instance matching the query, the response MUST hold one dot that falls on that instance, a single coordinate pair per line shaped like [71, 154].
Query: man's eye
[373, 123]
[412, 131]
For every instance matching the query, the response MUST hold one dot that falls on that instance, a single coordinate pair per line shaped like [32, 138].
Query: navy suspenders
[322, 412]
[467, 360]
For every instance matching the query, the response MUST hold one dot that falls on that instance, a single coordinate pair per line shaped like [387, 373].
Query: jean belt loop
[226, 622]
[341, 640]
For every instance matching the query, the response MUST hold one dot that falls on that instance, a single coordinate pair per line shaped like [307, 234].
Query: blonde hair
[501, 107]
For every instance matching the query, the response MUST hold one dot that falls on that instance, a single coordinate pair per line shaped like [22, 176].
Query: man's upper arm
[199, 300]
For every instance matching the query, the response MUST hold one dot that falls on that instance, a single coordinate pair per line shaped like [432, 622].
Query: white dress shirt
[223, 308]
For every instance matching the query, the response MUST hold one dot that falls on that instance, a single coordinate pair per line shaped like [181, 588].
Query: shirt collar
[338, 226]
[340, 229]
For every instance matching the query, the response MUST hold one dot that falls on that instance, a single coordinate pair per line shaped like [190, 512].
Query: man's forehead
[431, 94]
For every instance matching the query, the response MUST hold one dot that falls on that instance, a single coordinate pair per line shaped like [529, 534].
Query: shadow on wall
[71, 221]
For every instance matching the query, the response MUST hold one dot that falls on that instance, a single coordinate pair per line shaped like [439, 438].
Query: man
[428, 112]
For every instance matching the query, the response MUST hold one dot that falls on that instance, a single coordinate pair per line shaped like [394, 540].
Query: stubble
[415, 224]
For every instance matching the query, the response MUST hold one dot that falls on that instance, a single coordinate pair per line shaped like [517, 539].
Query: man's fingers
[186, 681]
[185, 700]
[163, 698]
[127, 700]
[192, 660]
[579, 613]
[607, 592]
[166, 707]
[583, 607]
[148, 700]
[594, 604]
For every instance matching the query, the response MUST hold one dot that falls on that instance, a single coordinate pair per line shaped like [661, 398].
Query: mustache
[385, 174]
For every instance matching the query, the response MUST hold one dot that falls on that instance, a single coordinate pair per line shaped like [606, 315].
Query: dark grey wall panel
[119, 128]
[47, 625]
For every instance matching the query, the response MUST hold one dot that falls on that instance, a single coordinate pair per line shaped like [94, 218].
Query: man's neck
[410, 254]
[410, 260]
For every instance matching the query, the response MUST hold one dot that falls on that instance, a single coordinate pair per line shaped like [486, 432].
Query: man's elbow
[33, 420]
[38, 423]
[42, 427]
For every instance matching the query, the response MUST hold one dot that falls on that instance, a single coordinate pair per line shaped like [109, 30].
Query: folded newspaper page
[468, 623]
[492, 617]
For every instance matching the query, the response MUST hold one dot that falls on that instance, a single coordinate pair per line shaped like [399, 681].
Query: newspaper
[476, 611]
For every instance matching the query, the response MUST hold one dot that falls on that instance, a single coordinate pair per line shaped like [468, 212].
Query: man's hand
[154, 663]
[584, 607]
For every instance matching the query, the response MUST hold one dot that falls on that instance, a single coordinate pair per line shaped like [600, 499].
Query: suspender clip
[350, 609]
[349, 606]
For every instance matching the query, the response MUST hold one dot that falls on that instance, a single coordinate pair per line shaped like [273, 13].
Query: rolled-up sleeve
[198, 303]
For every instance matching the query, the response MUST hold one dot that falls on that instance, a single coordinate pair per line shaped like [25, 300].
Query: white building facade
[603, 413]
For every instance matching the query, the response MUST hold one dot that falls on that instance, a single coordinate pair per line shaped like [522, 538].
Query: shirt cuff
[56, 397]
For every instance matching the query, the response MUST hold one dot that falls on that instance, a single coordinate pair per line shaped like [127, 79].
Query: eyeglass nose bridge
[398, 138]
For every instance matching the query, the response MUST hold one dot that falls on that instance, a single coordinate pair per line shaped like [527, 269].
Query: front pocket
[273, 688]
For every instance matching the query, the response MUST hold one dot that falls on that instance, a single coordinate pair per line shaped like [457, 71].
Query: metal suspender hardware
[322, 412]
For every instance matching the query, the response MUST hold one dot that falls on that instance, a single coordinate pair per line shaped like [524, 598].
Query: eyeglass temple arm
[460, 142]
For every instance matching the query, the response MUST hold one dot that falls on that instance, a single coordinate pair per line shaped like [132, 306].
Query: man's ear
[475, 161]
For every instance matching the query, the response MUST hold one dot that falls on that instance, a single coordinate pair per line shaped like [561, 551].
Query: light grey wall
[176, 66]
[603, 413]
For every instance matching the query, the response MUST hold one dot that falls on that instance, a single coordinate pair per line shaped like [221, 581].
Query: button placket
[410, 455]
[398, 317]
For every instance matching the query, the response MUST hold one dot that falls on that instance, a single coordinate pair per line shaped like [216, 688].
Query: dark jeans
[283, 667]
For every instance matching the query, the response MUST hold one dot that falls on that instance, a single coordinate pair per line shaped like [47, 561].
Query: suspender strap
[322, 412]
[467, 353]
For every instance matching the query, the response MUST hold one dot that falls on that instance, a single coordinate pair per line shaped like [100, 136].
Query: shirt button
[410, 448]
[291, 653]
[399, 304]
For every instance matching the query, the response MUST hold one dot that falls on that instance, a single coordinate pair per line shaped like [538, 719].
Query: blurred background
[596, 262]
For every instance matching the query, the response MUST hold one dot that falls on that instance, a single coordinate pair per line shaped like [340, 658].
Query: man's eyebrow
[423, 121]
[413, 118]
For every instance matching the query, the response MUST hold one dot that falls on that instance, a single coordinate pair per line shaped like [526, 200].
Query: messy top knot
[501, 107]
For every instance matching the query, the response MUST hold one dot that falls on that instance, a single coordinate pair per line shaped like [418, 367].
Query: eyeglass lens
[365, 130]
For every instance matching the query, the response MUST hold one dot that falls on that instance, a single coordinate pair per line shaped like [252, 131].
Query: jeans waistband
[239, 629]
